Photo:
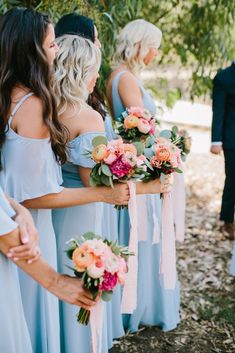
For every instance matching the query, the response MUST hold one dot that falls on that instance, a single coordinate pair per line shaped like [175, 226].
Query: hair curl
[76, 64]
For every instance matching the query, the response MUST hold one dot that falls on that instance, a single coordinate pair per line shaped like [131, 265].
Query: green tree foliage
[197, 34]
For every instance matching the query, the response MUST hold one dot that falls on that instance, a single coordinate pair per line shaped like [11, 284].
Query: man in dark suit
[223, 138]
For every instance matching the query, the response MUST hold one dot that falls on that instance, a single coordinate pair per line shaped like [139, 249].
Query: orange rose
[163, 154]
[131, 121]
[82, 259]
[130, 148]
[99, 153]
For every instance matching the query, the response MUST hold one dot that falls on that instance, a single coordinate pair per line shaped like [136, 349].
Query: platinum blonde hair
[76, 64]
[134, 42]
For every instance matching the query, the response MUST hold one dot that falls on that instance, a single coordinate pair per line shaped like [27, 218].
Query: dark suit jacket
[223, 121]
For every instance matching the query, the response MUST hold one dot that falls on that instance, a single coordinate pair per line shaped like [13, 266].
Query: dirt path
[207, 291]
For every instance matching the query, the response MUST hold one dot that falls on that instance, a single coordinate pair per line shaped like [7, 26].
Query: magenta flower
[109, 281]
[120, 167]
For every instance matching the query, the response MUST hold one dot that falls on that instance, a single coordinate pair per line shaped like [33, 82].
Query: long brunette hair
[24, 62]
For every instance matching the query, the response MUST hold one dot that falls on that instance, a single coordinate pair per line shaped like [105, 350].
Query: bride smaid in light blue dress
[84, 124]
[156, 306]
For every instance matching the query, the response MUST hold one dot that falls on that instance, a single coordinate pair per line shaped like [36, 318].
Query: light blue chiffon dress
[14, 335]
[156, 306]
[29, 171]
[70, 223]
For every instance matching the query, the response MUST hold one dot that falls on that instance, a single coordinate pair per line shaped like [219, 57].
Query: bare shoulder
[28, 120]
[90, 121]
[82, 121]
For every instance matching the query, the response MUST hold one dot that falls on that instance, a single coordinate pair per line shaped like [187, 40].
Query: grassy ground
[207, 290]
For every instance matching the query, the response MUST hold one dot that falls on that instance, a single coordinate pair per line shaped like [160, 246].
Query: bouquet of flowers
[162, 157]
[115, 161]
[136, 124]
[101, 264]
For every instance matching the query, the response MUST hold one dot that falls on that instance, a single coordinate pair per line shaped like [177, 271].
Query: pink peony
[109, 281]
[120, 167]
[143, 126]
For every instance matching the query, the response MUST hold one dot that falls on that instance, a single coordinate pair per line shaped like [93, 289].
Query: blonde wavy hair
[134, 42]
[76, 64]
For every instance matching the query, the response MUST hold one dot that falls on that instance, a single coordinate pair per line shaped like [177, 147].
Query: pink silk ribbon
[96, 324]
[178, 195]
[129, 297]
[168, 252]
[142, 214]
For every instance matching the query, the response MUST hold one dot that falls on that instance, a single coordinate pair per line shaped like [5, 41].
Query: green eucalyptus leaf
[175, 129]
[99, 140]
[105, 180]
[165, 133]
[140, 147]
[177, 170]
[148, 152]
[106, 170]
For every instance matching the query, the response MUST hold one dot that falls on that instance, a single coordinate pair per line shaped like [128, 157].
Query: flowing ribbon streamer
[168, 255]
[96, 324]
[129, 298]
[156, 226]
[142, 214]
[178, 195]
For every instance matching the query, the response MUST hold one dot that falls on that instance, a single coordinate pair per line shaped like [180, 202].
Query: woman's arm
[69, 197]
[66, 288]
[28, 249]
[129, 91]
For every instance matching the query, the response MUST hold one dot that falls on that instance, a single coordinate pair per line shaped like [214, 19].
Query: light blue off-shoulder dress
[29, 171]
[156, 306]
[70, 223]
[14, 335]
